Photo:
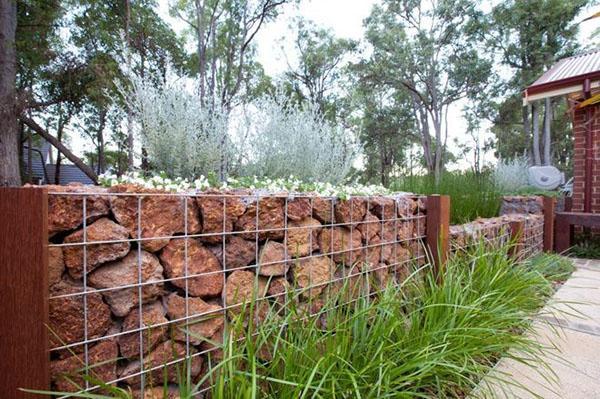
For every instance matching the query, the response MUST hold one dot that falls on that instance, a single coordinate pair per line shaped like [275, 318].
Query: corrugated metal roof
[68, 173]
[568, 71]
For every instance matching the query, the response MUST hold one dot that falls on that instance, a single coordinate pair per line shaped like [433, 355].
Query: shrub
[510, 176]
[288, 139]
[183, 137]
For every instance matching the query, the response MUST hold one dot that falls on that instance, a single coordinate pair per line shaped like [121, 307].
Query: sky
[345, 19]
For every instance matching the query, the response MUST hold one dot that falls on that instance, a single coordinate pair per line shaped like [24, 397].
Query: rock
[303, 237]
[341, 244]
[125, 272]
[420, 225]
[204, 319]
[371, 253]
[402, 270]
[271, 221]
[299, 208]
[160, 392]
[65, 212]
[238, 252]
[273, 260]
[323, 209]
[405, 230]
[278, 289]
[350, 211]
[349, 284]
[241, 289]
[211, 204]
[156, 363]
[162, 215]
[312, 274]
[370, 227]
[213, 347]
[66, 315]
[378, 276]
[153, 314]
[56, 265]
[383, 207]
[67, 374]
[200, 262]
[96, 254]
[406, 206]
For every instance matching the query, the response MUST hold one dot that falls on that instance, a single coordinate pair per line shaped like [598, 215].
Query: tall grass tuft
[473, 195]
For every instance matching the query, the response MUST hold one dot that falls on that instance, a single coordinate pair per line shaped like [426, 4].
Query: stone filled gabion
[201, 257]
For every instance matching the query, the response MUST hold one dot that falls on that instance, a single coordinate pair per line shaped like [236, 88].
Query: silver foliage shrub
[287, 139]
[511, 175]
[183, 138]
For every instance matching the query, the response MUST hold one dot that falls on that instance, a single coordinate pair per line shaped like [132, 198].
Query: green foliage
[417, 340]
[586, 246]
[553, 267]
[472, 195]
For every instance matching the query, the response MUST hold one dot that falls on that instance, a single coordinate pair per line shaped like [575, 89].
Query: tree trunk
[129, 111]
[537, 159]
[60, 147]
[10, 174]
[100, 139]
[547, 133]
[526, 123]
[59, 133]
[200, 33]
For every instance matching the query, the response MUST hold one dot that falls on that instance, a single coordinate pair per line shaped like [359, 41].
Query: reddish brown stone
[160, 392]
[95, 254]
[302, 237]
[238, 252]
[153, 314]
[67, 374]
[378, 276]
[278, 289]
[56, 265]
[65, 212]
[216, 219]
[405, 230]
[273, 260]
[271, 220]
[406, 206]
[383, 207]
[323, 209]
[200, 261]
[204, 319]
[241, 289]
[350, 283]
[213, 346]
[370, 227]
[166, 352]
[350, 211]
[125, 272]
[312, 274]
[161, 215]
[299, 208]
[66, 314]
[343, 245]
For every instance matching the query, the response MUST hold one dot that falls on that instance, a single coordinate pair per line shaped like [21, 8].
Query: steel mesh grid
[414, 218]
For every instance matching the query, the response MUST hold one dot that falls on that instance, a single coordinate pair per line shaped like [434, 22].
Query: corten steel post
[24, 356]
[549, 208]
[517, 229]
[438, 231]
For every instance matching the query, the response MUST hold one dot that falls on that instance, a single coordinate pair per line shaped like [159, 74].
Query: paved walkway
[573, 341]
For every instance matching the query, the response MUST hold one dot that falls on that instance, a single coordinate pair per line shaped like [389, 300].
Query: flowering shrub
[287, 139]
[182, 136]
[290, 184]
[511, 175]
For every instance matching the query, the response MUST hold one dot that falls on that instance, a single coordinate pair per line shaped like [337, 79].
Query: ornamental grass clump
[422, 339]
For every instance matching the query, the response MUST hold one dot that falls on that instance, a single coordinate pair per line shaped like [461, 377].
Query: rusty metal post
[24, 345]
[438, 231]
[549, 209]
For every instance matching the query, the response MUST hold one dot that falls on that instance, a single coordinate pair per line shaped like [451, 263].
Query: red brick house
[578, 78]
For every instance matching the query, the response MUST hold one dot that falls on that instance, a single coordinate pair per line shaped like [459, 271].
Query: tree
[432, 49]
[531, 36]
[224, 32]
[9, 134]
[320, 64]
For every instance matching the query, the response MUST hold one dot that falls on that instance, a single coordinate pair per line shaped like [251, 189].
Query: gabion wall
[141, 278]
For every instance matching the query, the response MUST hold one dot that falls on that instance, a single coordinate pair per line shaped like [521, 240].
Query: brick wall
[579, 160]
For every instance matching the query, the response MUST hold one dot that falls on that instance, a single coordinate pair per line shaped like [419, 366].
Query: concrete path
[573, 342]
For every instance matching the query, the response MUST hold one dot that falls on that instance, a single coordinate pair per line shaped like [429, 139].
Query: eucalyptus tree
[224, 32]
[530, 36]
[318, 72]
[429, 50]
